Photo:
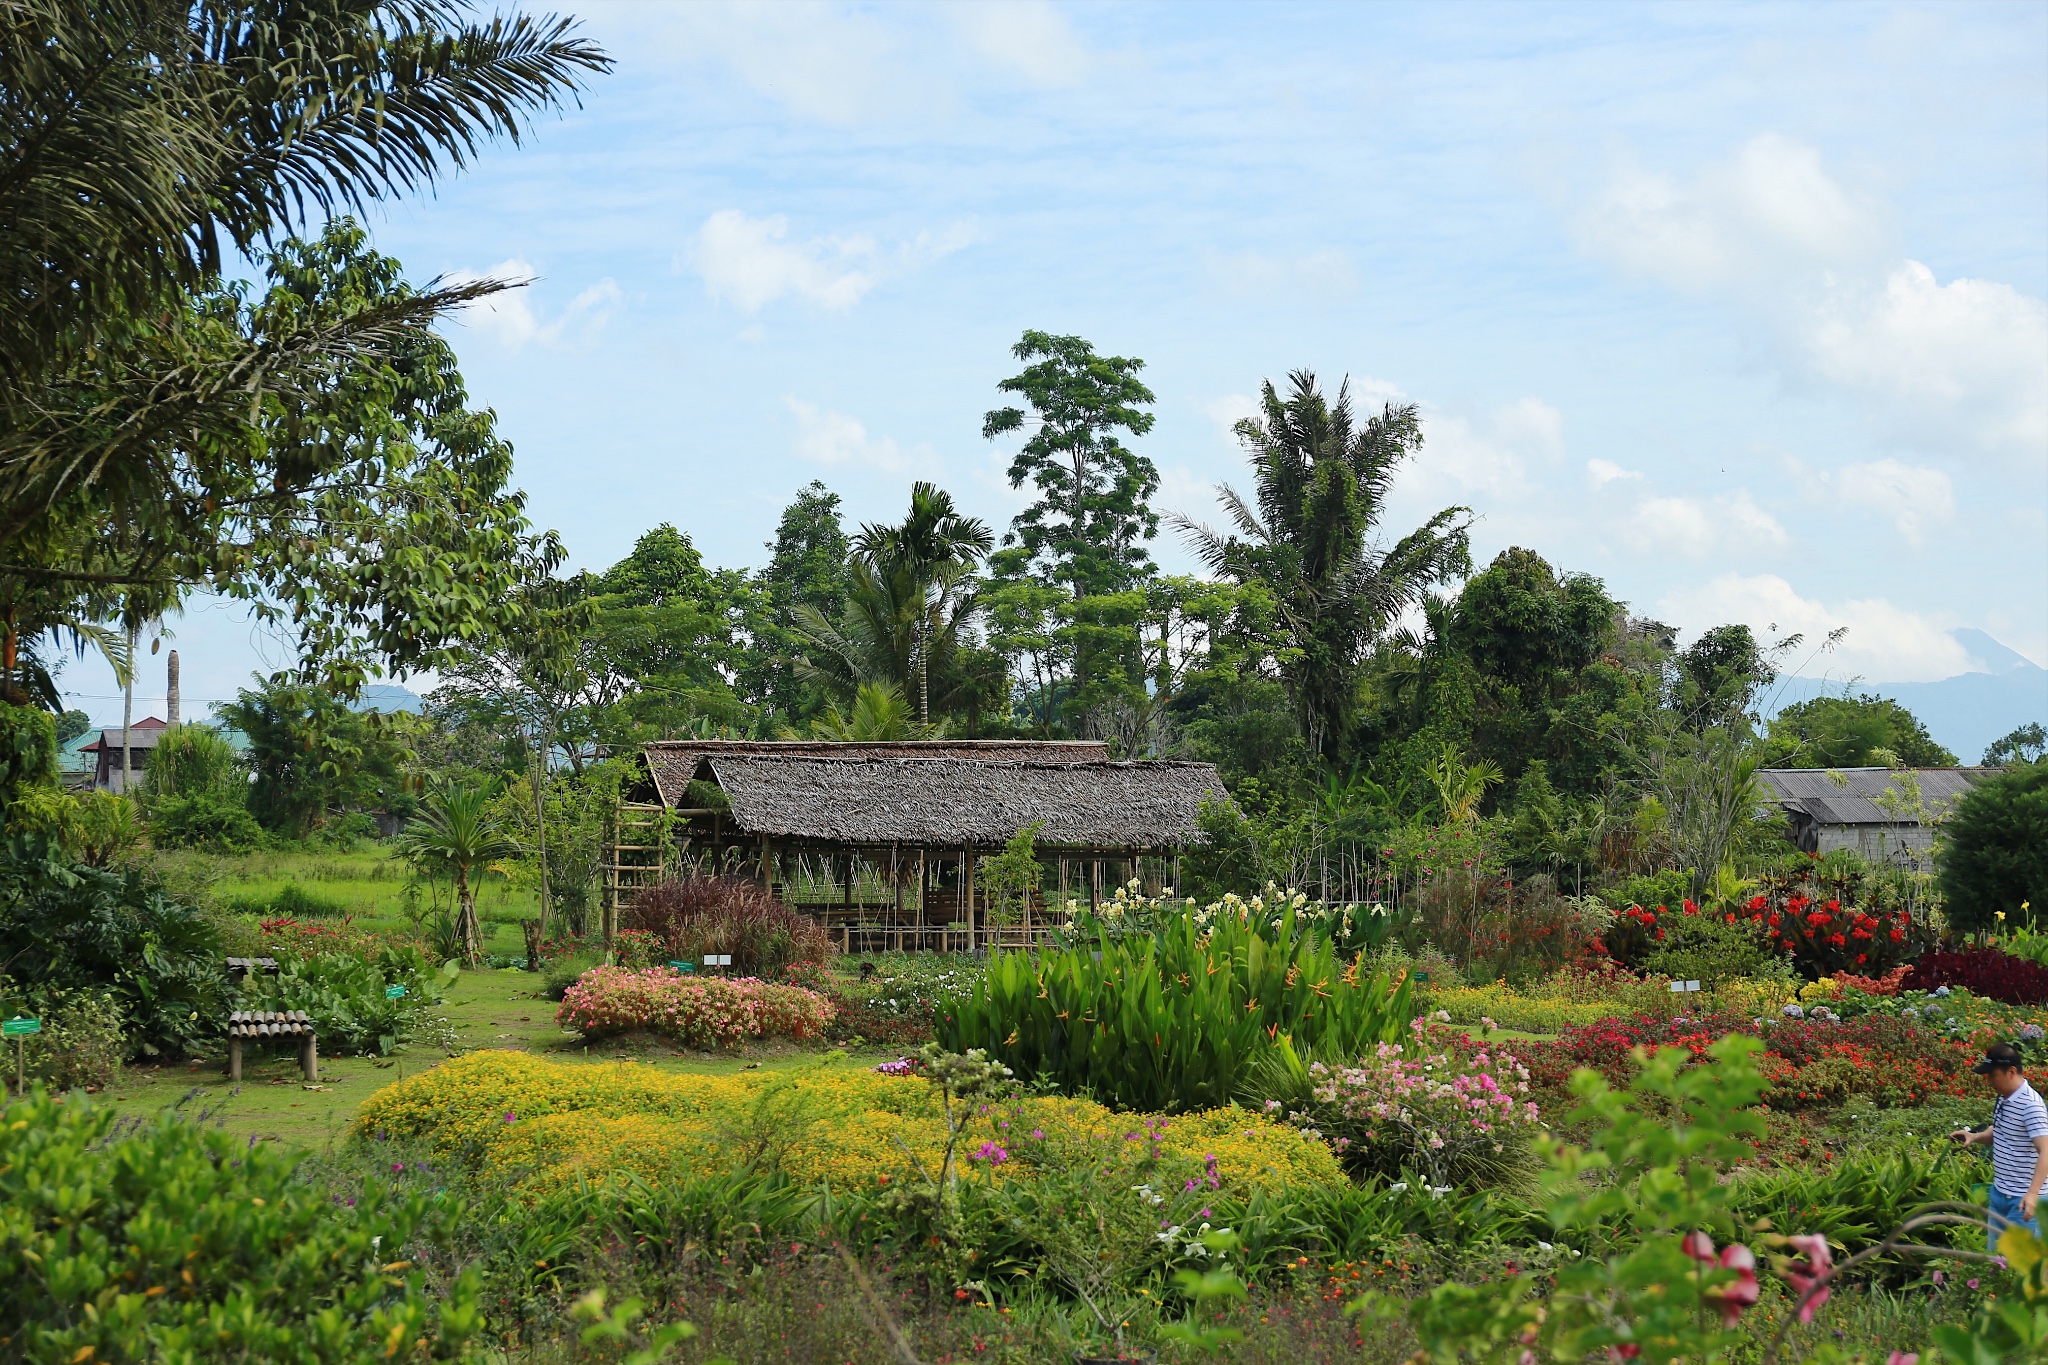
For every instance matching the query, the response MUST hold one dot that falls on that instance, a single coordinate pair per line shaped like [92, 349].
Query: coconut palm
[1321, 480]
[458, 831]
[879, 712]
[910, 589]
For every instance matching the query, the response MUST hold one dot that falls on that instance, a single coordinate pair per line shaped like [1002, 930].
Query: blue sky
[1740, 308]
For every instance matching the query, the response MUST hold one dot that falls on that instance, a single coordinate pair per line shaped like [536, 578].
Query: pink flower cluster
[1433, 1112]
[701, 1011]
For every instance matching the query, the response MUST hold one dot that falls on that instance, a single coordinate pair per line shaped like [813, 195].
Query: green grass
[366, 884]
[486, 1009]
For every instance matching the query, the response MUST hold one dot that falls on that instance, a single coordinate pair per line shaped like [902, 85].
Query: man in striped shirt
[2019, 1141]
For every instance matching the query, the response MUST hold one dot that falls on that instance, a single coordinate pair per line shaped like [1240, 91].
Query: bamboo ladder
[634, 858]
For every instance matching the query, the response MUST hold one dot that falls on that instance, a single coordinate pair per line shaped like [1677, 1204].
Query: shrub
[1172, 1020]
[552, 1124]
[702, 1011]
[699, 915]
[1459, 1116]
[1825, 937]
[88, 927]
[347, 998]
[1982, 971]
[1711, 949]
[81, 1045]
[566, 970]
[1997, 848]
[173, 1241]
[205, 820]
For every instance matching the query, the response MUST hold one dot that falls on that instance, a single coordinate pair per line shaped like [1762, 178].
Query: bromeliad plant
[1173, 1020]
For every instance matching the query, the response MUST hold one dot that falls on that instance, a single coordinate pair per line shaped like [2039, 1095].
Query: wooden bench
[273, 1024]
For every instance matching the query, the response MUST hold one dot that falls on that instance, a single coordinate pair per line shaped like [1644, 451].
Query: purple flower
[398, 1168]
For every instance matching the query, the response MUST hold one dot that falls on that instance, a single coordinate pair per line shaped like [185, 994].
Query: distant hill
[390, 697]
[1966, 712]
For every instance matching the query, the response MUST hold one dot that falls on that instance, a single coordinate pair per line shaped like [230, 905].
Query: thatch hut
[881, 841]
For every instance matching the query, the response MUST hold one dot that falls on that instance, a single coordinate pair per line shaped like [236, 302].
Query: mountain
[390, 697]
[1965, 713]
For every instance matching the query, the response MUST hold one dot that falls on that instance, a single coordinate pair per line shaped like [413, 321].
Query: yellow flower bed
[549, 1124]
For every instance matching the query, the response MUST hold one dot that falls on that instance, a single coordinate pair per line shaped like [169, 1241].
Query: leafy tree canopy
[1093, 507]
[1857, 731]
[2026, 744]
[1997, 854]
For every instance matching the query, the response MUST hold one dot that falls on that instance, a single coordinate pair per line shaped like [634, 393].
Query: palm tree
[910, 588]
[1461, 786]
[1321, 480]
[879, 712]
[457, 831]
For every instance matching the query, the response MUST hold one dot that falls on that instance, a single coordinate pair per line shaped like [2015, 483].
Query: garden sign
[18, 1029]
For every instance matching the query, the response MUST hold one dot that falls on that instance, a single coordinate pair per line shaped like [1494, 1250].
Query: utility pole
[171, 702]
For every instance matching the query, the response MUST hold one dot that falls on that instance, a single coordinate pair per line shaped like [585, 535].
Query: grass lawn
[367, 884]
[485, 1009]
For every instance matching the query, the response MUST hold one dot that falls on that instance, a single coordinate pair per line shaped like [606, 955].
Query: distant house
[1870, 811]
[880, 841]
[105, 752]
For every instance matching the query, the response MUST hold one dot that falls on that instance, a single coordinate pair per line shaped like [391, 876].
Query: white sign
[1679, 987]
[718, 959]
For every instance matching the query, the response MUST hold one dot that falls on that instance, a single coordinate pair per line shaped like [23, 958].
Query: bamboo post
[235, 1058]
[309, 1056]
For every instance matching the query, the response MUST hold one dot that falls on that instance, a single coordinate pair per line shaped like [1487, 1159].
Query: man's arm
[2034, 1181]
[1967, 1136]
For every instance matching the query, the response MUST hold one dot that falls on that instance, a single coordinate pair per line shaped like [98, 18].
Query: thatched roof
[1816, 794]
[958, 802]
[672, 763]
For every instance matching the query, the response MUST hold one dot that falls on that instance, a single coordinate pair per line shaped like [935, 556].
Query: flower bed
[1816, 1058]
[1982, 971]
[702, 1011]
[548, 1124]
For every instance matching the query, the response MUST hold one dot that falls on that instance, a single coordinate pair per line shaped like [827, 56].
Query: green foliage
[174, 1241]
[28, 753]
[1708, 949]
[806, 569]
[1092, 508]
[103, 828]
[87, 927]
[346, 995]
[2026, 744]
[312, 756]
[1849, 732]
[193, 760]
[1997, 850]
[879, 712]
[1172, 1021]
[208, 820]
[459, 832]
[1010, 879]
[82, 1043]
[1321, 482]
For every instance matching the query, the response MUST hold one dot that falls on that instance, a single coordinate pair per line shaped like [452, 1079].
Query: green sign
[394, 992]
[12, 1028]
[682, 966]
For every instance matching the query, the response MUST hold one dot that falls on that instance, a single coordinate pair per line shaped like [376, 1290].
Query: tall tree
[156, 428]
[1093, 508]
[1852, 731]
[458, 830]
[1320, 480]
[910, 593]
[806, 569]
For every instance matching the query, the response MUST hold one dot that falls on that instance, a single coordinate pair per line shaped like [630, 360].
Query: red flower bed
[1822, 937]
[1808, 1061]
[1984, 972]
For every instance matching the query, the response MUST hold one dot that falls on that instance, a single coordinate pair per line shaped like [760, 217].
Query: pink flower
[1809, 1278]
[1903, 1358]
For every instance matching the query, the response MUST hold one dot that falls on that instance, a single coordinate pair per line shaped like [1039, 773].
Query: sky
[1738, 307]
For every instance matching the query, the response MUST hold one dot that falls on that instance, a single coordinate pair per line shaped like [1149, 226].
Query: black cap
[1997, 1057]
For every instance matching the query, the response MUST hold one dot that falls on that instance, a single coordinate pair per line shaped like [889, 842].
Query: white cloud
[1695, 528]
[1028, 36]
[833, 438]
[1974, 348]
[1531, 422]
[1912, 498]
[1317, 274]
[1885, 643]
[824, 61]
[749, 263]
[1491, 456]
[1771, 210]
[1815, 264]
[746, 262]
[1604, 472]
[509, 317]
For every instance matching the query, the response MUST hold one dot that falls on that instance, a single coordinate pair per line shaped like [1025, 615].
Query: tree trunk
[466, 925]
[540, 822]
[128, 716]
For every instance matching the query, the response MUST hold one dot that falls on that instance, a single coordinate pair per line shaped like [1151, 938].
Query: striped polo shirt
[2016, 1120]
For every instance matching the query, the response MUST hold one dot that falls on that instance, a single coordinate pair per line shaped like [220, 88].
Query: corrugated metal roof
[1848, 796]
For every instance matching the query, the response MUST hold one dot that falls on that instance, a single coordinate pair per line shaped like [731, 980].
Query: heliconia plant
[1176, 1019]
